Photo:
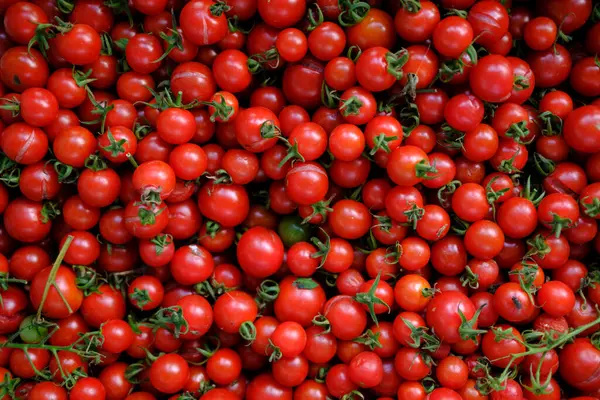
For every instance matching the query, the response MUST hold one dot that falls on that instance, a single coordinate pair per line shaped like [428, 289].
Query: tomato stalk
[5, 279]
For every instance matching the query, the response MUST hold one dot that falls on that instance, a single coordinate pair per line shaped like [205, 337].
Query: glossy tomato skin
[577, 361]
[443, 317]
[260, 252]
[200, 25]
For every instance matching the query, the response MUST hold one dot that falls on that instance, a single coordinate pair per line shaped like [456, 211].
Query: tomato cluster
[299, 199]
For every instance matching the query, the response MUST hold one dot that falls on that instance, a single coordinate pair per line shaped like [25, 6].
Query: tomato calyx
[82, 79]
[49, 211]
[521, 82]
[161, 242]
[353, 395]
[421, 339]
[8, 387]
[10, 173]
[322, 321]
[559, 223]
[87, 279]
[507, 166]
[329, 96]
[543, 165]
[223, 111]
[133, 371]
[101, 109]
[220, 177]
[269, 130]
[532, 194]
[248, 331]
[353, 12]
[219, 8]
[370, 299]
[323, 248]
[351, 106]
[470, 279]
[412, 6]
[120, 7]
[380, 143]
[452, 138]
[212, 288]
[305, 283]
[488, 383]
[459, 226]
[591, 206]
[314, 21]
[369, 339]
[257, 62]
[466, 329]
[140, 297]
[173, 39]
[292, 154]
[519, 131]
[414, 214]
[538, 246]
[148, 214]
[267, 292]
[443, 193]
[410, 118]
[172, 319]
[536, 385]
[115, 147]
[551, 124]
[526, 276]
[396, 61]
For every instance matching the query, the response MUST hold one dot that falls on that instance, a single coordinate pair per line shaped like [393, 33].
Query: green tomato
[291, 230]
[32, 331]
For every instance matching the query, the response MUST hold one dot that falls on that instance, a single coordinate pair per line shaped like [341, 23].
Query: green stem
[52, 274]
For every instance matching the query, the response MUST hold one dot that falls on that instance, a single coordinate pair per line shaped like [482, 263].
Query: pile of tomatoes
[299, 199]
